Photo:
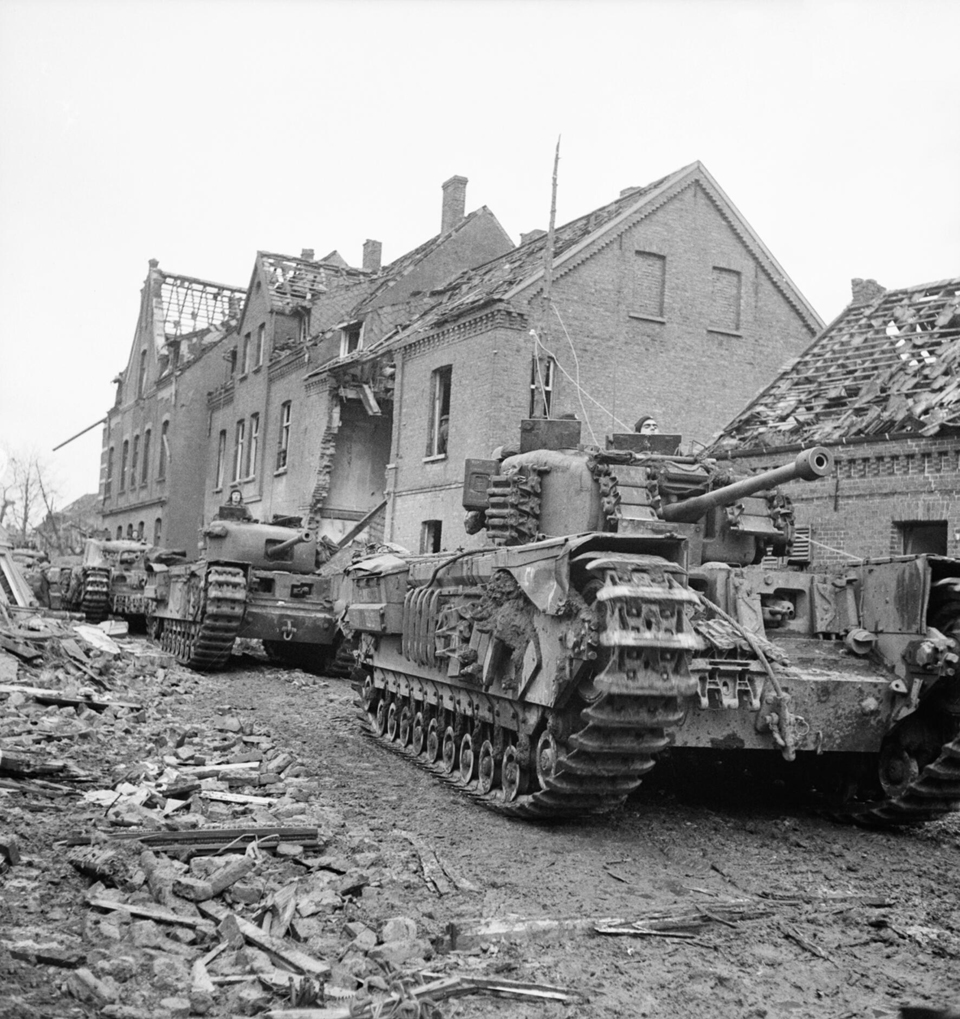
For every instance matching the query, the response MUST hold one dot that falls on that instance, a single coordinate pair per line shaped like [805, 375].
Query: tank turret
[554, 487]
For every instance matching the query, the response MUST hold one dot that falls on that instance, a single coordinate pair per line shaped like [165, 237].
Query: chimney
[371, 255]
[454, 202]
[306, 255]
[532, 236]
[865, 291]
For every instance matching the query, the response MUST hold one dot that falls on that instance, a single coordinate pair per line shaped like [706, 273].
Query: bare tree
[28, 500]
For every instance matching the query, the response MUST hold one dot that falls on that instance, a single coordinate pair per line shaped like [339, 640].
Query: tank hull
[546, 679]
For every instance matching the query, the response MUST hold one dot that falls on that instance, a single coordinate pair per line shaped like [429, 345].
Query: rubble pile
[153, 868]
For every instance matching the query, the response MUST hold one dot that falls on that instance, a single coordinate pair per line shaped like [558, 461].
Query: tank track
[933, 793]
[613, 740]
[206, 645]
[96, 595]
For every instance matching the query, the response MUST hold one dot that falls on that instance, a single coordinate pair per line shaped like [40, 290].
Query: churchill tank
[254, 580]
[110, 578]
[631, 603]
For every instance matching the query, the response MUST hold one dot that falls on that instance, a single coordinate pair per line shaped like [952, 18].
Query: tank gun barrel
[810, 465]
[281, 549]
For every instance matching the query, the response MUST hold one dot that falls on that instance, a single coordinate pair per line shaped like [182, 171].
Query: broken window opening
[252, 446]
[145, 469]
[108, 480]
[142, 376]
[541, 386]
[133, 461]
[124, 457]
[245, 353]
[283, 439]
[725, 307]
[261, 341]
[221, 458]
[438, 435]
[430, 535]
[649, 284]
[238, 449]
[923, 537]
[164, 451]
[351, 338]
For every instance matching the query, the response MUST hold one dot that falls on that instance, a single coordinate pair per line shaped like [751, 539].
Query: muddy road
[785, 913]
[857, 922]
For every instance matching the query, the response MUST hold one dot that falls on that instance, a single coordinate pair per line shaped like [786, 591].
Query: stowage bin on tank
[621, 608]
[254, 580]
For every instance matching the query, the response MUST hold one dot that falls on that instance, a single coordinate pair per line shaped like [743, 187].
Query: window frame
[221, 459]
[124, 463]
[441, 389]
[239, 440]
[283, 436]
[145, 462]
[547, 388]
[164, 450]
[253, 444]
[641, 310]
[261, 343]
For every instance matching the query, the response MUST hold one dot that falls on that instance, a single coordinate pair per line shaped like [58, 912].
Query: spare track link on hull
[635, 700]
[933, 793]
[96, 596]
[207, 644]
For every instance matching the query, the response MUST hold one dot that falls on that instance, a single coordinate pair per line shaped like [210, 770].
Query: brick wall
[876, 486]
[692, 378]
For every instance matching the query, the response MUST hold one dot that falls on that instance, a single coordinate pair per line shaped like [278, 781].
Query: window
[145, 470]
[130, 532]
[303, 328]
[245, 354]
[134, 459]
[157, 529]
[921, 537]
[725, 308]
[232, 358]
[252, 445]
[141, 528]
[124, 456]
[142, 376]
[164, 451]
[221, 458]
[649, 284]
[430, 531]
[238, 449]
[350, 338]
[439, 411]
[283, 440]
[119, 532]
[261, 340]
[541, 386]
[108, 480]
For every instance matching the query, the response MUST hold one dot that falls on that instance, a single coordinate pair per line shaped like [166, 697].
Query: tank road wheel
[393, 721]
[488, 768]
[514, 774]
[449, 750]
[468, 760]
[381, 717]
[898, 769]
[548, 756]
[433, 741]
[369, 695]
[405, 728]
[419, 736]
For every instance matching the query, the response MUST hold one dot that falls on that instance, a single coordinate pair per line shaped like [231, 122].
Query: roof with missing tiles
[889, 366]
[504, 277]
[297, 281]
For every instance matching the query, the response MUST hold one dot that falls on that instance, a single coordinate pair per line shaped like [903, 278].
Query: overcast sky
[199, 132]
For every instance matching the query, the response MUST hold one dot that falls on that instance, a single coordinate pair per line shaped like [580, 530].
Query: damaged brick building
[336, 389]
[880, 386]
[151, 477]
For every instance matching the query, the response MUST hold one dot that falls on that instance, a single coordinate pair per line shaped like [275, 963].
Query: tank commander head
[647, 425]
[233, 508]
